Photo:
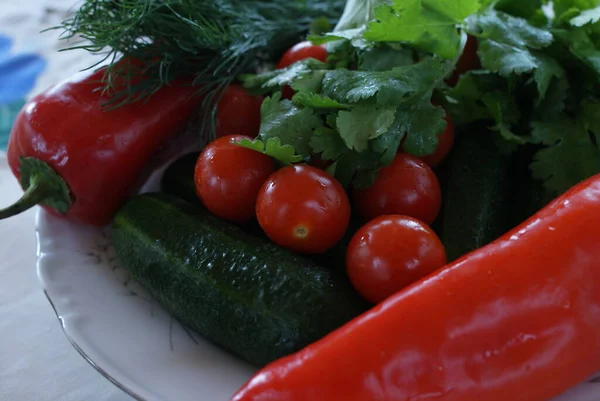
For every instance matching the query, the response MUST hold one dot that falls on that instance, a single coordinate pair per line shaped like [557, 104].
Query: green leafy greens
[536, 88]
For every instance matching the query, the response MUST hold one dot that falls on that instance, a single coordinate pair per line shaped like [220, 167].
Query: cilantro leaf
[569, 156]
[388, 144]
[350, 164]
[391, 87]
[590, 16]
[286, 154]
[519, 8]
[429, 25]
[328, 143]
[466, 98]
[358, 126]
[423, 123]
[554, 102]
[315, 101]
[355, 36]
[267, 81]
[506, 29]
[292, 125]
[581, 46]
[383, 58]
[309, 82]
[503, 109]
[509, 45]
[565, 9]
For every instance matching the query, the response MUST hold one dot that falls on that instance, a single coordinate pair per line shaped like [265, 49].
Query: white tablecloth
[37, 363]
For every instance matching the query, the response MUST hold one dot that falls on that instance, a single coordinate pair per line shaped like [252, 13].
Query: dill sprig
[213, 41]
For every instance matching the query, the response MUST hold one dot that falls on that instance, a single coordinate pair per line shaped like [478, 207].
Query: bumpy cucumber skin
[251, 297]
[477, 199]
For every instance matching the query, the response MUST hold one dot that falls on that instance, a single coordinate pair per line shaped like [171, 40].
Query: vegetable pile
[347, 161]
[529, 76]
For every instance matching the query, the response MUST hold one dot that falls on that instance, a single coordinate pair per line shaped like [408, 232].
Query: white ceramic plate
[123, 333]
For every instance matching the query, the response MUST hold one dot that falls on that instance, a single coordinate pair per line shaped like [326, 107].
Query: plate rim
[39, 266]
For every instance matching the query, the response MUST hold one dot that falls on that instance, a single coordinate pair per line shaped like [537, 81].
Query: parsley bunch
[537, 88]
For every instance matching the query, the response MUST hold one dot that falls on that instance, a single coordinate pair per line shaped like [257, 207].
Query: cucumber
[476, 193]
[244, 293]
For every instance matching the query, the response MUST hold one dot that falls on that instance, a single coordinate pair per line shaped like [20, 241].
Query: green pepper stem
[34, 195]
[42, 185]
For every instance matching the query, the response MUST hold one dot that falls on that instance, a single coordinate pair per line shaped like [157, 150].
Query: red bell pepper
[517, 320]
[79, 160]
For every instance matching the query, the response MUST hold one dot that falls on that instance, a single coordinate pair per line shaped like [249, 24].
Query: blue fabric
[18, 74]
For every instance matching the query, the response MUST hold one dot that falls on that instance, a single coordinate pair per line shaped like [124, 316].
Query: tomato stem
[42, 185]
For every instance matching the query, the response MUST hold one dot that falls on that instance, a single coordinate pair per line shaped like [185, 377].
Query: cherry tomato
[228, 178]
[468, 61]
[301, 51]
[298, 52]
[445, 142]
[407, 186]
[390, 253]
[303, 209]
[238, 113]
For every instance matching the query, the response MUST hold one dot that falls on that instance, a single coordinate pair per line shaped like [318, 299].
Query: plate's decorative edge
[73, 343]
[87, 358]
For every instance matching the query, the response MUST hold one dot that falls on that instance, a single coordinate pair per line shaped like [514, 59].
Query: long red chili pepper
[518, 320]
[78, 159]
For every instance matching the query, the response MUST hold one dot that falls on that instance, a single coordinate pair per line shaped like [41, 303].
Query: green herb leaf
[358, 126]
[554, 102]
[270, 80]
[358, 168]
[466, 104]
[292, 125]
[315, 101]
[508, 46]
[511, 31]
[518, 8]
[567, 9]
[391, 87]
[328, 143]
[581, 45]
[285, 154]
[423, 124]
[504, 111]
[310, 82]
[384, 58]
[429, 25]
[590, 16]
[569, 156]
[355, 36]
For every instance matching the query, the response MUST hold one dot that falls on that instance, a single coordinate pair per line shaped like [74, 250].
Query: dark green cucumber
[178, 178]
[245, 294]
[476, 194]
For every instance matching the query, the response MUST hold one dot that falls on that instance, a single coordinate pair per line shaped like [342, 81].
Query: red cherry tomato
[303, 209]
[298, 52]
[445, 142]
[468, 61]
[301, 51]
[407, 186]
[228, 178]
[238, 113]
[390, 253]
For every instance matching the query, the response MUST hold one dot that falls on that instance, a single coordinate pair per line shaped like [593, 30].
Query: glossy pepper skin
[98, 153]
[517, 320]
